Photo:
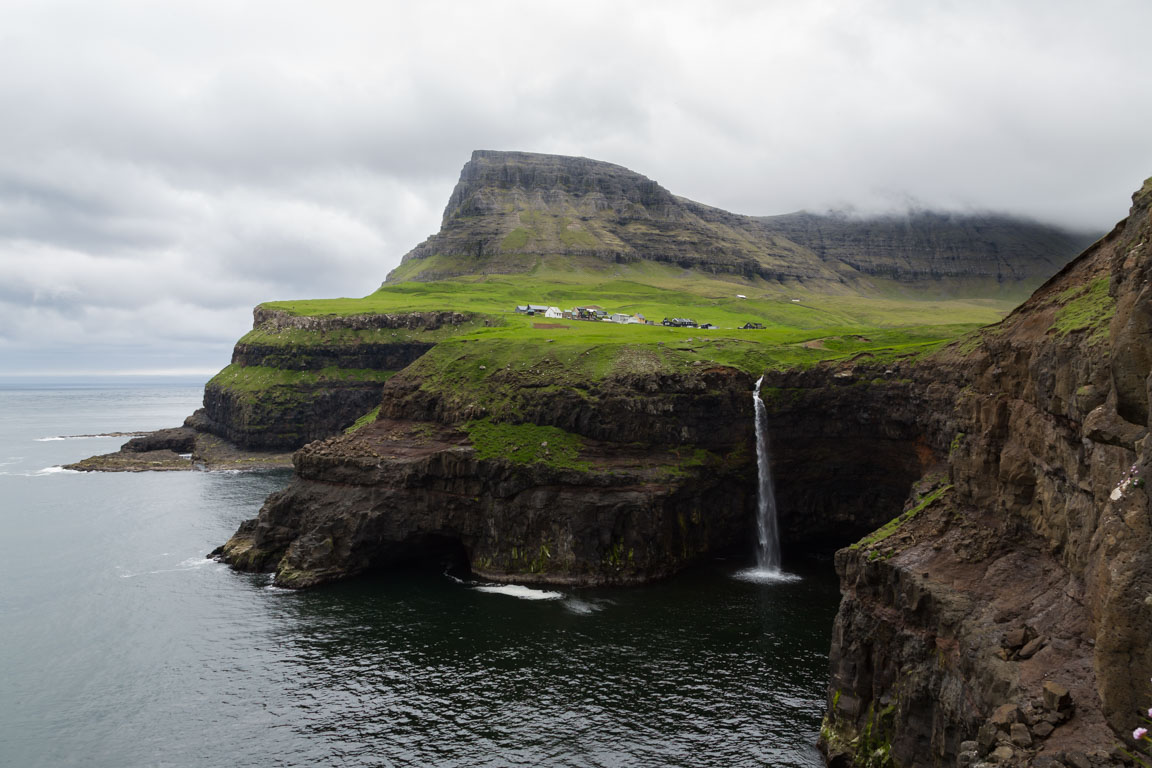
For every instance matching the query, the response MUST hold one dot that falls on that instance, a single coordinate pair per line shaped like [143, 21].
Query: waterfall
[768, 551]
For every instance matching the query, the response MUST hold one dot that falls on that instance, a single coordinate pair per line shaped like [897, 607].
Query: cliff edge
[1004, 616]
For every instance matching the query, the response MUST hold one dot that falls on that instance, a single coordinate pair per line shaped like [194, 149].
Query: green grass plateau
[819, 326]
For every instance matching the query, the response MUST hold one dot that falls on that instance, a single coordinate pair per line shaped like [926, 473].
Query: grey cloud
[164, 167]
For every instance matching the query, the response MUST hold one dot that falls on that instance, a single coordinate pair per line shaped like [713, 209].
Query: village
[595, 313]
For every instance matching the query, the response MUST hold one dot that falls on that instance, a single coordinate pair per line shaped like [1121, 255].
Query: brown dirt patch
[549, 326]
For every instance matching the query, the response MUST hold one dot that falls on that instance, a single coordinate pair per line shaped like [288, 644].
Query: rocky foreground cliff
[1005, 616]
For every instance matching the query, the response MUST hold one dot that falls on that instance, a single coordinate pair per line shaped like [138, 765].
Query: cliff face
[512, 208]
[924, 247]
[427, 481]
[850, 439]
[398, 492]
[295, 379]
[1011, 613]
[659, 471]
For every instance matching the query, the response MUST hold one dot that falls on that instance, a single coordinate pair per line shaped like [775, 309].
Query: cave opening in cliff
[834, 489]
[426, 552]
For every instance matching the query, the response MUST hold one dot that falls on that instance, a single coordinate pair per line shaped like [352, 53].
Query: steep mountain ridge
[509, 209]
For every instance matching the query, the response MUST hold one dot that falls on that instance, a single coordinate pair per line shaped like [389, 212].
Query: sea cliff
[1005, 617]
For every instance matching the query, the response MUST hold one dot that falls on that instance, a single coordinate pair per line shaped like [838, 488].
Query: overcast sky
[165, 166]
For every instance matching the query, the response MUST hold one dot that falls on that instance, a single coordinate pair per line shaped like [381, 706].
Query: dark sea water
[121, 645]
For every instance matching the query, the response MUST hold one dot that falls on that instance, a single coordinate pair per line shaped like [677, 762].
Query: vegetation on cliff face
[257, 382]
[526, 444]
[1086, 307]
[363, 421]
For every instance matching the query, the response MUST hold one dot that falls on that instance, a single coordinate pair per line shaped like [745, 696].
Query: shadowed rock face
[644, 506]
[511, 208]
[399, 491]
[287, 415]
[1035, 569]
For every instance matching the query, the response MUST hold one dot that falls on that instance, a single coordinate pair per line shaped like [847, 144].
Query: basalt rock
[1046, 526]
[402, 491]
[296, 379]
[511, 208]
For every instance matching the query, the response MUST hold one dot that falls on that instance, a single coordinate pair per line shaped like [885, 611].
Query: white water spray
[768, 551]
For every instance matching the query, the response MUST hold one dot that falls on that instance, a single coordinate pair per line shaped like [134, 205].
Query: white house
[553, 312]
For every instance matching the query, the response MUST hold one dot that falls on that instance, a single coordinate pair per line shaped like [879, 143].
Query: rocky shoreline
[181, 449]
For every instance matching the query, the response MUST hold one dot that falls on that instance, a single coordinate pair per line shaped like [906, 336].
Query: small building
[531, 309]
[568, 314]
[554, 313]
[619, 317]
[752, 327]
[707, 327]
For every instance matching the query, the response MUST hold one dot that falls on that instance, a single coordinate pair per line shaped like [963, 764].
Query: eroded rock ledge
[399, 491]
[181, 449]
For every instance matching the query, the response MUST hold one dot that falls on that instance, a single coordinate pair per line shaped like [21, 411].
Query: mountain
[512, 210]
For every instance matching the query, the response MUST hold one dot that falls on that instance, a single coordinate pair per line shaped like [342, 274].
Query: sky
[164, 167]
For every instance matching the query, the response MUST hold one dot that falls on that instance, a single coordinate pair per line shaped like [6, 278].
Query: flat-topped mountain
[510, 210]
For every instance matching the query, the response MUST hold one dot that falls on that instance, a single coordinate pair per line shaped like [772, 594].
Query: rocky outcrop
[709, 407]
[402, 491]
[181, 449]
[283, 416]
[1007, 619]
[295, 379]
[511, 208]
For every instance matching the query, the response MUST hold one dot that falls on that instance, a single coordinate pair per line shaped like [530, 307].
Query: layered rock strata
[665, 475]
[666, 483]
[1006, 616]
[296, 379]
[397, 492]
[509, 209]
[181, 449]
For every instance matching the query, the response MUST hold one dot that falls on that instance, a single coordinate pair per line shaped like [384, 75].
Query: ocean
[121, 644]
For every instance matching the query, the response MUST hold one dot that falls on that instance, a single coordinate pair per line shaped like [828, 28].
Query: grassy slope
[658, 291]
[471, 362]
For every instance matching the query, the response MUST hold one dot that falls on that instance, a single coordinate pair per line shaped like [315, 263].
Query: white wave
[90, 437]
[42, 472]
[195, 562]
[45, 472]
[765, 576]
[190, 564]
[582, 607]
[515, 590]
